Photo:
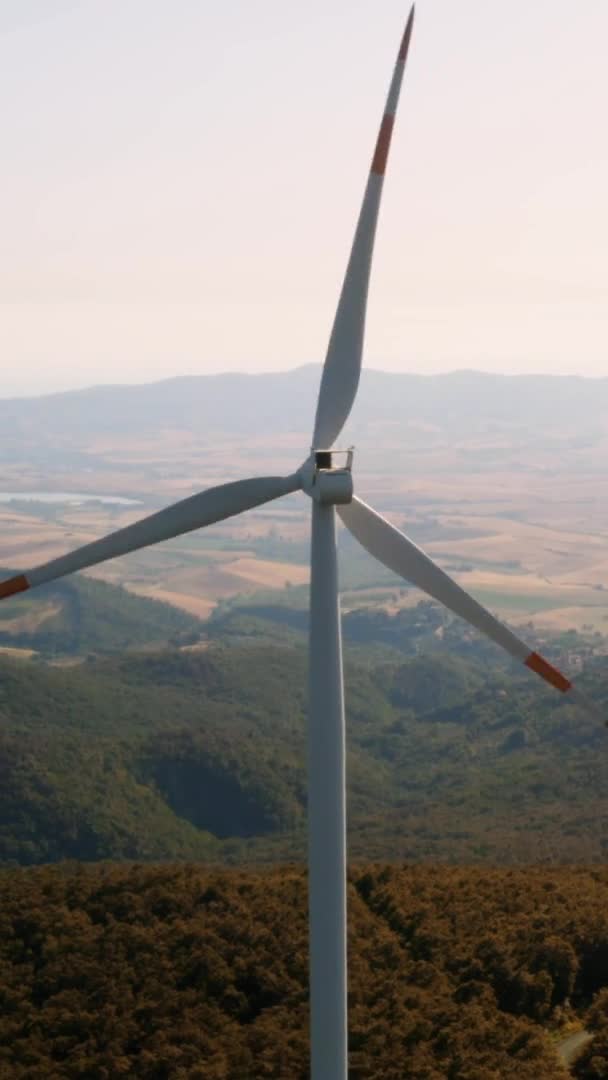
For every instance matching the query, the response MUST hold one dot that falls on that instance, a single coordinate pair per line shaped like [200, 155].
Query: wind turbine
[329, 487]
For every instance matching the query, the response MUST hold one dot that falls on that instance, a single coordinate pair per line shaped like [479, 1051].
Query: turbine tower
[330, 487]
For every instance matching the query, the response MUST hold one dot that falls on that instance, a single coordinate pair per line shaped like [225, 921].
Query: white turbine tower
[329, 487]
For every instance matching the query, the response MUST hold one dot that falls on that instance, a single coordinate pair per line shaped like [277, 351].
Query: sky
[180, 183]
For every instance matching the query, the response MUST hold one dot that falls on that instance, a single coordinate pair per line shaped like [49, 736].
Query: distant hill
[284, 402]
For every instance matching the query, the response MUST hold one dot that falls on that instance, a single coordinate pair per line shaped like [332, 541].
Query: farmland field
[517, 513]
[524, 571]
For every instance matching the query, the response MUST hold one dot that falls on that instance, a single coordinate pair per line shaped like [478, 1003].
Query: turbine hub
[325, 481]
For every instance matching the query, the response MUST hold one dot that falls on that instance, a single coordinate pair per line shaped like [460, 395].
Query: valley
[195, 642]
[153, 743]
[503, 481]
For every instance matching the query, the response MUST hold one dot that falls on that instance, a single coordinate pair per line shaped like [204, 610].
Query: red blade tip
[547, 672]
[13, 585]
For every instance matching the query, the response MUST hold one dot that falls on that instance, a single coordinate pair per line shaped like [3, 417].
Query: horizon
[199, 206]
[242, 373]
[117, 385]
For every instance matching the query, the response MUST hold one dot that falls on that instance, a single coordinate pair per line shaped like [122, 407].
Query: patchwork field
[517, 514]
[556, 578]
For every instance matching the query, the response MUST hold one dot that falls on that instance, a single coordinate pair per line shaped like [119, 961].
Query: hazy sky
[180, 181]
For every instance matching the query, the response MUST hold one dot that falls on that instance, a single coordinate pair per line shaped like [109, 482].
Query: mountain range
[284, 402]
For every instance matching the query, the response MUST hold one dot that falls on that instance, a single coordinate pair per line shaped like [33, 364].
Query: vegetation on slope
[177, 971]
[76, 615]
[182, 754]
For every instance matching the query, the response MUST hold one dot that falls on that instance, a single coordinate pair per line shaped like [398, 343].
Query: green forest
[179, 753]
[186, 972]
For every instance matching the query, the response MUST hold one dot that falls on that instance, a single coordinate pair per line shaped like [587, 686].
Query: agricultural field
[551, 574]
[514, 504]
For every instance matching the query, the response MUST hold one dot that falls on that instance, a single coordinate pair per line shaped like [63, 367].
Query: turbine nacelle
[326, 482]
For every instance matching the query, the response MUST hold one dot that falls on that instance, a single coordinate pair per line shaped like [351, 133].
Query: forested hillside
[176, 971]
[76, 615]
[200, 754]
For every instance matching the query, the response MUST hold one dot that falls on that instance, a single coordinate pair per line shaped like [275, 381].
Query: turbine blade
[342, 368]
[209, 506]
[400, 554]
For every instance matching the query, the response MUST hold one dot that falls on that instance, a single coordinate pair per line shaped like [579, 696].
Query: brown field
[194, 605]
[16, 654]
[198, 590]
[264, 574]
